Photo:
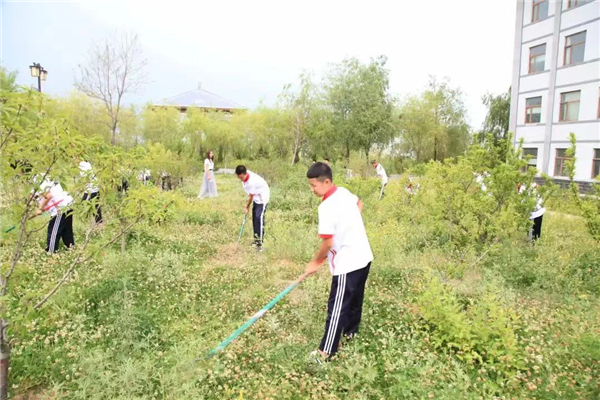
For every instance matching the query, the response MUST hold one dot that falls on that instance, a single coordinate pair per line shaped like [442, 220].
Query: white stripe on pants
[262, 222]
[335, 315]
[53, 237]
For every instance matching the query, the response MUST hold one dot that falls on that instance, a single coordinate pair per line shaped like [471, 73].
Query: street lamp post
[37, 71]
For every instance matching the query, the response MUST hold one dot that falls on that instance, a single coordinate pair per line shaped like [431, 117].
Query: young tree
[451, 135]
[114, 68]
[86, 113]
[433, 124]
[8, 80]
[304, 115]
[357, 95]
[416, 129]
[496, 120]
[34, 147]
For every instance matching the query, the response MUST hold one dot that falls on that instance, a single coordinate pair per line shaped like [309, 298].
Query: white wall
[538, 29]
[535, 82]
[583, 131]
[583, 164]
[588, 101]
[522, 103]
[525, 54]
[577, 15]
[578, 73]
[592, 40]
[531, 133]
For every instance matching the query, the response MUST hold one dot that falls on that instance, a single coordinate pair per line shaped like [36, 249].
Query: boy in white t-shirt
[57, 202]
[91, 189]
[259, 194]
[346, 246]
[538, 212]
[381, 174]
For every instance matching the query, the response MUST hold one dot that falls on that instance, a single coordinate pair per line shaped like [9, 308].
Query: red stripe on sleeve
[325, 236]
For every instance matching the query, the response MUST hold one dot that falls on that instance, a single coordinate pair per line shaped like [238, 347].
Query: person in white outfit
[209, 185]
[91, 189]
[381, 175]
[538, 212]
[259, 195]
[52, 198]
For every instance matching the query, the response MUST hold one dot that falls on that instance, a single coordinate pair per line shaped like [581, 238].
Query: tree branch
[75, 262]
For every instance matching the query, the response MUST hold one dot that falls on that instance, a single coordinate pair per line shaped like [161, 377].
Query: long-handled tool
[36, 215]
[381, 192]
[254, 318]
[242, 227]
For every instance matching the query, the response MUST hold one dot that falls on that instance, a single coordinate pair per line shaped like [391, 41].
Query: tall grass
[520, 321]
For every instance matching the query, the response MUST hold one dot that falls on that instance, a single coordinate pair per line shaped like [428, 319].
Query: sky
[247, 50]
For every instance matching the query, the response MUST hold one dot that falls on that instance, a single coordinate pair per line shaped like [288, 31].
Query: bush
[480, 331]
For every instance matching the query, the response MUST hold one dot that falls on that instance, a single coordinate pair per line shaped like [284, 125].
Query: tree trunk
[113, 138]
[435, 148]
[123, 238]
[347, 151]
[295, 156]
[4, 361]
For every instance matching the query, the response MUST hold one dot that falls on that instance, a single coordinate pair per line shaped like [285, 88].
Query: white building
[556, 84]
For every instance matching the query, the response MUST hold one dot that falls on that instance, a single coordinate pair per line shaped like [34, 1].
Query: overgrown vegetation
[459, 304]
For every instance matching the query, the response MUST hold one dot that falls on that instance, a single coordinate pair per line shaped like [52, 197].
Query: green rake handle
[242, 227]
[253, 319]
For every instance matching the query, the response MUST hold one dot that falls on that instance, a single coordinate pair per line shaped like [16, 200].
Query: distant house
[201, 99]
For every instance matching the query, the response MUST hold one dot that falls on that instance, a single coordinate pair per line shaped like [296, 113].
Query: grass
[130, 327]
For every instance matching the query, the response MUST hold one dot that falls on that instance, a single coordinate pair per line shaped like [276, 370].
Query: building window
[537, 58]
[574, 3]
[596, 163]
[574, 48]
[533, 110]
[569, 106]
[559, 162]
[533, 152]
[540, 10]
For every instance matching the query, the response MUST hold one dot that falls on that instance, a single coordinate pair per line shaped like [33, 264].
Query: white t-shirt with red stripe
[255, 185]
[340, 219]
[60, 198]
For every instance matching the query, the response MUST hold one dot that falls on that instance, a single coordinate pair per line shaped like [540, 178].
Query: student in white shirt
[538, 212]
[209, 185]
[381, 175]
[57, 202]
[346, 247]
[258, 194]
[91, 190]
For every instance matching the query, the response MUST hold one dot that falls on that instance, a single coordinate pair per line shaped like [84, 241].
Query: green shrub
[479, 331]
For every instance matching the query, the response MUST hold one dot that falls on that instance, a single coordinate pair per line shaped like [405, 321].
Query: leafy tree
[590, 205]
[497, 118]
[86, 113]
[130, 128]
[433, 124]
[304, 114]
[357, 95]
[162, 125]
[8, 80]
[35, 146]
[451, 134]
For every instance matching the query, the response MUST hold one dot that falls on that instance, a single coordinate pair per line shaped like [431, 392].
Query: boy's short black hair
[240, 170]
[320, 171]
[326, 159]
